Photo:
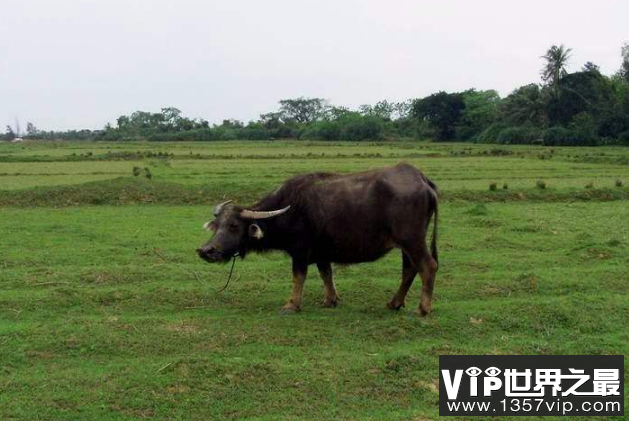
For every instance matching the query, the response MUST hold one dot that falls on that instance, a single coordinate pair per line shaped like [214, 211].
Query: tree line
[579, 108]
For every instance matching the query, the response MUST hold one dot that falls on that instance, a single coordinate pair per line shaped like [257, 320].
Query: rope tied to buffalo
[194, 273]
[230, 274]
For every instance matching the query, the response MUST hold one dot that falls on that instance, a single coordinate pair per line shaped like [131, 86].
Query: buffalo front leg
[300, 270]
[331, 297]
[409, 272]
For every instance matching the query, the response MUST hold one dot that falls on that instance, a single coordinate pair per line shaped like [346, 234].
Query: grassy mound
[130, 191]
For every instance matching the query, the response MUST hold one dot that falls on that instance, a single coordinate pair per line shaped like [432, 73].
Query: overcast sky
[79, 64]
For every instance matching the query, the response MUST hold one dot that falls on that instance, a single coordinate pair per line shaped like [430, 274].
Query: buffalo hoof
[395, 304]
[330, 302]
[289, 308]
[422, 312]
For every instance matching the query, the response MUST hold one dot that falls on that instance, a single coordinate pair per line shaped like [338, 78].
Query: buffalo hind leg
[331, 296]
[408, 276]
[428, 273]
[423, 263]
[300, 270]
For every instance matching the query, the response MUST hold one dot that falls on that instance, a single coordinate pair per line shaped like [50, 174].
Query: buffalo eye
[233, 226]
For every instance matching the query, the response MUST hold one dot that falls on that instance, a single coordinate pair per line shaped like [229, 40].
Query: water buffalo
[324, 218]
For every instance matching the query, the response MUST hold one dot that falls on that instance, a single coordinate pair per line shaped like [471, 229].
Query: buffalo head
[234, 228]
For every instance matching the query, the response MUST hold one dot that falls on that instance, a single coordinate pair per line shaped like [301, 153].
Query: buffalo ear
[210, 226]
[255, 231]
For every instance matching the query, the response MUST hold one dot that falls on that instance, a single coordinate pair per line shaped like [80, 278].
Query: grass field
[107, 313]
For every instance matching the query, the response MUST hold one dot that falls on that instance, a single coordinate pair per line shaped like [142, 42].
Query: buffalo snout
[210, 254]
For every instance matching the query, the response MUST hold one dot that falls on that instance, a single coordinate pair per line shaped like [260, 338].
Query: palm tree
[624, 69]
[555, 68]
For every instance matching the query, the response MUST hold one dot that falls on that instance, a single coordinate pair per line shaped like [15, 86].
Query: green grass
[262, 165]
[95, 325]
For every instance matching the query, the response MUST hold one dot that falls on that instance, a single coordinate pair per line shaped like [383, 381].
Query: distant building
[17, 140]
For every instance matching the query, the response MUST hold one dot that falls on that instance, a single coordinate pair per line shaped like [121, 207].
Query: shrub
[505, 186]
[491, 133]
[352, 127]
[411, 128]
[493, 186]
[522, 135]
[249, 133]
[584, 128]
[540, 184]
[323, 130]
[137, 171]
[589, 185]
[560, 136]
[619, 183]
[361, 128]
[147, 173]
[623, 139]
[555, 136]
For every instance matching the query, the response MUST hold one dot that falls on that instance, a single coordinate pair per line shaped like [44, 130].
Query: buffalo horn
[249, 214]
[219, 207]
